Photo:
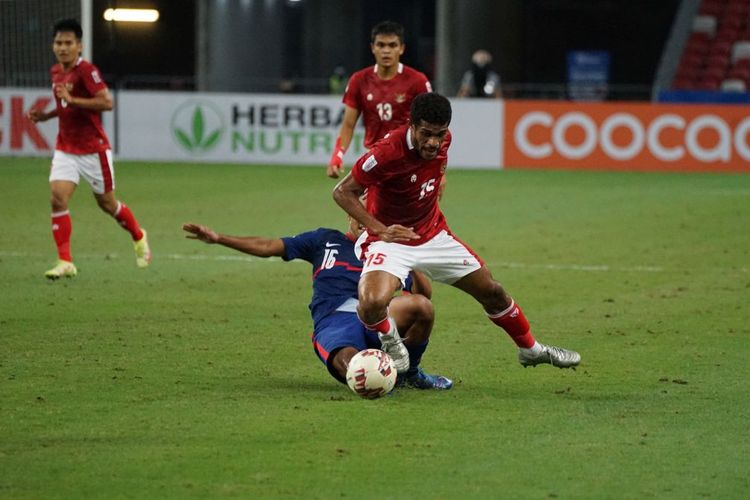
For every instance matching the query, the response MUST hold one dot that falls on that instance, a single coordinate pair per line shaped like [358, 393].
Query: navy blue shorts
[341, 329]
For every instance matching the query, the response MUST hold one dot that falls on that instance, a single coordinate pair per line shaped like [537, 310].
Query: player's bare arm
[102, 100]
[336, 164]
[347, 194]
[253, 245]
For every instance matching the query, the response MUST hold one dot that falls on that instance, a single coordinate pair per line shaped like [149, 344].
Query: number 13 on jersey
[385, 111]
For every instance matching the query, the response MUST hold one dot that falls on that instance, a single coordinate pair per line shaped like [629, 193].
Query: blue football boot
[418, 379]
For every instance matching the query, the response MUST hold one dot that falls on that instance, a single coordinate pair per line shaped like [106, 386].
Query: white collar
[409, 141]
[399, 70]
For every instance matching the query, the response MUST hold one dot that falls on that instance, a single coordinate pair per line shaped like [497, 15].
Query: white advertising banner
[274, 129]
[19, 136]
[236, 128]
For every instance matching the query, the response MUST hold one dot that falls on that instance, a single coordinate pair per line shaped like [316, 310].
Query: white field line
[249, 258]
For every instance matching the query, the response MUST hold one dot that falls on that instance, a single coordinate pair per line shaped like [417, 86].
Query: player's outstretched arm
[253, 245]
[336, 163]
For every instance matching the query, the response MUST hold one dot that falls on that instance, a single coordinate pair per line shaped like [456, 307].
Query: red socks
[515, 324]
[61, 229]
[383, 326]
[126, 219]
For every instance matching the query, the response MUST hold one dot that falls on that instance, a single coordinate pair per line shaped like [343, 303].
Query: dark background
[257, 43]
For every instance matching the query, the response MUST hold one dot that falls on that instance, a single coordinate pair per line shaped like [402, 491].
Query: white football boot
[555, 356]
[392, 344]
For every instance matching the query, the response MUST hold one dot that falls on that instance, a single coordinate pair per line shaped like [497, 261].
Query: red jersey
[80, 130]
[403, 187]
[384, 104]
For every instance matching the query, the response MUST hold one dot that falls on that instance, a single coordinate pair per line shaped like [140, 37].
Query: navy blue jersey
[335, 267]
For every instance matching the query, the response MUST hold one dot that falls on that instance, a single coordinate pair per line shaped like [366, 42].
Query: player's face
[66, 47]
[387, 50]
[428, 137]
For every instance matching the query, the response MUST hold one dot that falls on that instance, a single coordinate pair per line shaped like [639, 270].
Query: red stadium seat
[697, 45]
[739, 72]
[714, 73]
[683, 84]
[711, 9]
[691, 60]
[709, 83]
[717, 61]
[731, 22]
[720, 48]
[736, 10]
[700, 36]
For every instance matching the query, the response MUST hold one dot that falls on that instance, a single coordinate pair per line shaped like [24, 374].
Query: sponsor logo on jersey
[329, 244]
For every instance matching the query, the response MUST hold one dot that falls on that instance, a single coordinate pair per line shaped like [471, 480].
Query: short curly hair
[431, 108]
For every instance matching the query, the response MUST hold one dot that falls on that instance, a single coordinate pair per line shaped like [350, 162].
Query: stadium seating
[717, 53]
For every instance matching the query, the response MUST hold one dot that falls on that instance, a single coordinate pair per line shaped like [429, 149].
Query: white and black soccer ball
[371, 373]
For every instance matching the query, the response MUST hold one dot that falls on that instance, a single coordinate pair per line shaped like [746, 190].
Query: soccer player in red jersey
[382, 93]
[407, 231]
[82, 148]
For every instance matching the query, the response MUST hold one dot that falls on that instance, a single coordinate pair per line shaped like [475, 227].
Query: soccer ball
[371, 373]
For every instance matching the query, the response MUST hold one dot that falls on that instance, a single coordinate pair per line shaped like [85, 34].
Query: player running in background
[337, 332]
[382, 94]
[406, 231]
[82, 148]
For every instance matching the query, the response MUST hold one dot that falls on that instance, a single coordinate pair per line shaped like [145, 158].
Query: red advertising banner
[624, 136]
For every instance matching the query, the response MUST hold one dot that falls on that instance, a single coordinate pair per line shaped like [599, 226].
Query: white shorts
[96, 168]
[443, 259]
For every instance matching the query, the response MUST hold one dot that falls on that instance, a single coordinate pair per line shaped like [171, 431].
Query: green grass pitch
[196, 377]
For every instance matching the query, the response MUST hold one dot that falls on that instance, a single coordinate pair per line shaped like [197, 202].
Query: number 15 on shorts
[374, 259]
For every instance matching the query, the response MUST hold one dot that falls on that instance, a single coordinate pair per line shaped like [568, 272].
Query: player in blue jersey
[337, 332]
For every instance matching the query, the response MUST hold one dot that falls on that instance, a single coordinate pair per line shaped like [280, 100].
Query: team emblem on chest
[400, 98]
[414, 177]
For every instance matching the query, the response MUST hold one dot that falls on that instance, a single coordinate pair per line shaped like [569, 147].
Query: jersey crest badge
[400, 98]
[414, 177]
[369, 97]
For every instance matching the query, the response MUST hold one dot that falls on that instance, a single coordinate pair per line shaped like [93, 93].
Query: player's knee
[423, 308]
[107, 205]
[58, 202]
[58, 205]
[494, 297]
[372, 306]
